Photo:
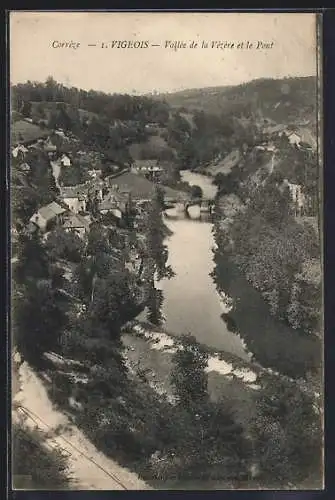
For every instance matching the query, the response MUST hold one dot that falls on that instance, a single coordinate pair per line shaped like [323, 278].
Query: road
[56, 171]
[89, 469]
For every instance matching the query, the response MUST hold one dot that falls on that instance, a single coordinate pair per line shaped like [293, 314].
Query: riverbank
[149, 351]
[262, 274]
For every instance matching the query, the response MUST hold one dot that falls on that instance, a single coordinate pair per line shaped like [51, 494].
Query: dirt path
[88, 468]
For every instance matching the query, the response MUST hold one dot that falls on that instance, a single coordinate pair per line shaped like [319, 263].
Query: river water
[192, 304]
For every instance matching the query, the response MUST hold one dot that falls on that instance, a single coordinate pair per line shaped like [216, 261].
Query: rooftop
[73, 191]
[145, 164]
[141, 188]
[76, 221]
[275, 129]
[306, 136]
[50, 211]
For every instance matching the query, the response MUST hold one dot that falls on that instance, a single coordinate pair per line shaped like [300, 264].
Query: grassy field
[23, 131]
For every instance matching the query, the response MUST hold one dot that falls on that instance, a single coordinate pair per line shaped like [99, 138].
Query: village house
[49, 148]
[19, 151]
[60, 133]
[75, 197]
[302, 138]
[77, 224]
[96, 189]
[270, 147]
[275, 130]
[117, 203]
[148, 168]
[65, 161]
[95, 173]
[48, 216]
[144, 166]
[298, 197]
[24, 167]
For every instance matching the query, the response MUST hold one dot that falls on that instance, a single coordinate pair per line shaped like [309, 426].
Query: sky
[287, 49]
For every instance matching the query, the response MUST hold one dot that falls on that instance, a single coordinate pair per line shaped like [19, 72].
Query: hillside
[46, 108]
[283, 100]
[22, 131]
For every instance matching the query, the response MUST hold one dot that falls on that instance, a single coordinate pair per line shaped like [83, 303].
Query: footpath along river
[192, 304]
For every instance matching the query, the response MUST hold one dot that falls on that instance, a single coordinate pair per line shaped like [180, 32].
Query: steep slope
[89, 469]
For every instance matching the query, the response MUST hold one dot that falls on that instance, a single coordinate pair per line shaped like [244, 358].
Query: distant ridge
[285, 99]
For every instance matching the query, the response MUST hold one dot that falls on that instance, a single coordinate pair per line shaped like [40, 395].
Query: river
[192, 304]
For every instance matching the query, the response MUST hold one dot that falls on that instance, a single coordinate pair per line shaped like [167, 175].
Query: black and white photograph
[166, 267]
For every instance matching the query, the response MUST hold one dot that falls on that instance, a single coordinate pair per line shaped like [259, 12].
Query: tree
[155, 302]
[26, 109]
[155, 235]
[39, 309]
[288, 435]
[64, 245]
[35, 467]
[40, 177]
[228, 183]
[188, 375]
[33, 263]
[112, 303]
[74, 175]
[196, 192]
[39, 319]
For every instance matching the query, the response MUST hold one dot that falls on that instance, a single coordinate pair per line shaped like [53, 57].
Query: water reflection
[191, 302]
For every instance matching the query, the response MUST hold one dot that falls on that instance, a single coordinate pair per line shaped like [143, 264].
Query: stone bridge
[205, 204]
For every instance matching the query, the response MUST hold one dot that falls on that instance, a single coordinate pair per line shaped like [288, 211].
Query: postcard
[166, 250]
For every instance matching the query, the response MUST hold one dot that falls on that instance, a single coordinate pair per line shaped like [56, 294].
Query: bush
[35, 467]
[288, 434]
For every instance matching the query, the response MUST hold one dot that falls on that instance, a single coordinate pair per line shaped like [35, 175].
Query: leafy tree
[188, 376]
[44, 469]
[112, 302]
[155, 235]
[196, 192]
[26, 109]
[155, 302]
[228, 183]
[39, 309]
[39, 319]
[288, 434]
[74, 175]
[40, 177]
[33, 263]
[65, 245]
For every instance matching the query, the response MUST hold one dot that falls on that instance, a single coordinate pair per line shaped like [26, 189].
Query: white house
[60, 132]
[95, 173]
[20, 149]
[294, 139]
[303, 137]
[47, 215]
[24, 167]
[114, 203]
[65, 161]
[75, 197]
[298, 197]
